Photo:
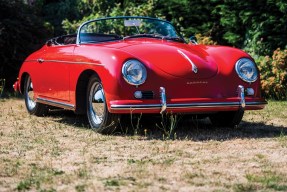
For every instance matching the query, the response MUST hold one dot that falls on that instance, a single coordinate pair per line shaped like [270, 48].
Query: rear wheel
[100, 119]
[32, 106]
[227, 118]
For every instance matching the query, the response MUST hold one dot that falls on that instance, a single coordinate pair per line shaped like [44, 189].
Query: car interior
[84, 38]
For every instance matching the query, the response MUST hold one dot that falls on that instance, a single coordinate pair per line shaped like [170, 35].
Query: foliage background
[259, 27]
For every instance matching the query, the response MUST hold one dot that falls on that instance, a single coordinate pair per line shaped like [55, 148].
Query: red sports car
[122, 65]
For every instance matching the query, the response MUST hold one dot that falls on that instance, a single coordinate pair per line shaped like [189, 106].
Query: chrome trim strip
[40, 60]
[186, 105]
[68, 62]
[56, 103]
[204, 105]
[194, 68]
[128, 107]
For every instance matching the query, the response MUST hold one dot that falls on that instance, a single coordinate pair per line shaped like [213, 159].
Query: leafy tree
[56, 11]
[192, 17]
[100, 8]
[257, 26]
[21, 32]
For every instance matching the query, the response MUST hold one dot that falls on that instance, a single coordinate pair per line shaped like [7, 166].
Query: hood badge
[194, 68]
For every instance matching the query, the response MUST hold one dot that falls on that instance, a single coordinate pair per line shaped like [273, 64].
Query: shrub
[273, 72]
[205, 40]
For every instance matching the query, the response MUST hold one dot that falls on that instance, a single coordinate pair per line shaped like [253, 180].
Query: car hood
[177, 59]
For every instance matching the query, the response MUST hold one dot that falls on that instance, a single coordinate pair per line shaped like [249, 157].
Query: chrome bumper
[163, 105]
[187, 105]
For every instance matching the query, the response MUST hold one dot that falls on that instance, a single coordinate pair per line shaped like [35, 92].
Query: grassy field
[60, 153]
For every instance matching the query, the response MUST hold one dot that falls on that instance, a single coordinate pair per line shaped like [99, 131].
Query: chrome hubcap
[30, 95]
[97, 103]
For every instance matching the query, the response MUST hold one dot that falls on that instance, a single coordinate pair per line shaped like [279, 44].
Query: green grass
[282, 139]
[263, 181]
[112, 183]
[38, 177]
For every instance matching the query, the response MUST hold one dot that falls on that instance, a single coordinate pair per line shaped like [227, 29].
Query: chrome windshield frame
[78, 40]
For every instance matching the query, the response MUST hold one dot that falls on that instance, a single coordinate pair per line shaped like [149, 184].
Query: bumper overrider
[192, 105]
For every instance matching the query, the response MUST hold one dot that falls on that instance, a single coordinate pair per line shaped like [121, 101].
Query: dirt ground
[60, 153]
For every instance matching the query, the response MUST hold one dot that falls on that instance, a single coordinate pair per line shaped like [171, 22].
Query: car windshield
[118, 28]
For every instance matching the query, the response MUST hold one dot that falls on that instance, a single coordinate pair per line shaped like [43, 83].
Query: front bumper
[188, 105]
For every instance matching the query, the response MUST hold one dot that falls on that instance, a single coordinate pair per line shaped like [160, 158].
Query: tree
[259, 26]
[21, 32]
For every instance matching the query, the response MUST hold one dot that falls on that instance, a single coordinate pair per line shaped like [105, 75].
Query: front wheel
[227, 118]
[100, 119]
[32, 106]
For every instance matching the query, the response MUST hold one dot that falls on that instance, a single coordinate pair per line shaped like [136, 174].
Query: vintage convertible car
[123, 65]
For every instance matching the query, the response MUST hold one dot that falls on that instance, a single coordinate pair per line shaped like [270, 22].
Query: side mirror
[193, 40]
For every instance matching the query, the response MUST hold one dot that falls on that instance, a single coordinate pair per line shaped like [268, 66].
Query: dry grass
[59, 153]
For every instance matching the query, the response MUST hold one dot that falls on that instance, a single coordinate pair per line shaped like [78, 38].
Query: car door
[54, 66]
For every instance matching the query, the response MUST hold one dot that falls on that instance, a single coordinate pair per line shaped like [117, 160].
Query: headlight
[134, 72]
[246, 70]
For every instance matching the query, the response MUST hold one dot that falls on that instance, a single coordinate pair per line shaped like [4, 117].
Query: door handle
[40, 60]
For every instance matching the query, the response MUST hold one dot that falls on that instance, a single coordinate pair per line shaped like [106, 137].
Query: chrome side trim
[186, 105]
[40, 60]
[56, 103]
[68, 62]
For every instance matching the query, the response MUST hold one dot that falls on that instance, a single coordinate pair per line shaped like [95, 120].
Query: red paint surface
[215, 81]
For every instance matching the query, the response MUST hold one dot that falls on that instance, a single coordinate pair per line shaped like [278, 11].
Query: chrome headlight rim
[128, 78]
[239, 64]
